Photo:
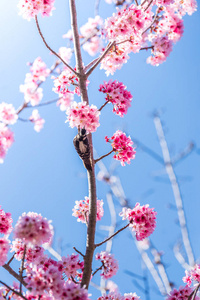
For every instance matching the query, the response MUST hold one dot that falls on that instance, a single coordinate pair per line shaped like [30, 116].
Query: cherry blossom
[30, 8]
[122, 146]
[5, 222]
[84, 116]
[39, 70]
[117, 94]
[71, 265]
[117, 296]
[142, 220]
[63, 81]
[32, 227]
[37, 120]
[4, 248]
[65, 53]
[65, 101]
[181, 294]
[81, 210]
[193, 274]
[6, 140]
[32, 93]
[8, 113]
[33, 253]
[110, 264]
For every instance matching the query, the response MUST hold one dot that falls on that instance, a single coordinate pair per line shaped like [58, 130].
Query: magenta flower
[110, 264]
[4, 248]
[30, 8]
[5, 222]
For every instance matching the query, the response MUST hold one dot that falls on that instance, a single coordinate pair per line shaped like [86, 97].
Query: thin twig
[110, 237]
[22, 269]
[109, 46]
[154, 19]
[10, 260]
[79, 252]
[45, 103]
[148, 5]
[193, 294]
[14, 274]
[15, 292]
[48, 47]
[104, 105]
[98, 269]
[98, 159]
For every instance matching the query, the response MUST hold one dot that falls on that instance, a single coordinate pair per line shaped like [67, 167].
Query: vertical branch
[175, 188]
[90, 244]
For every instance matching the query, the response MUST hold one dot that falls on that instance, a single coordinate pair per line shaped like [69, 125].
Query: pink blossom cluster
[5, 222]
[33, 253]
[71, 265]
[110, 264]
[161, 50]
[122, 146]
[30, 8]
[81, 210]
[65, 101]
[193, 274]
[90, 31]
[8, 114]
[181, 294]
[117, 94]
[117, 296]
[66, 54]
[39, 70]
[4, 248]
[37, 120]
[84, 116]
[33, 228]
[32, 93]
[6, 140]
[142, 220]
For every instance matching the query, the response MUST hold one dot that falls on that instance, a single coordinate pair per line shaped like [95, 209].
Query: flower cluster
[71, 265]
[117, 94]
[6, 140]
[33, 253]
[117, 296]
[122, 146]
[32, 227]
[65, 54]
[193, 274]
[37, 120]
[84, 116]
[4, 248]
[65, 101]
[142, 220]
[5, 222]
[30, 8]
[181, 294]
[110, 264]
[39, 70]
[32, 93]
[8, 114]
[81, 210]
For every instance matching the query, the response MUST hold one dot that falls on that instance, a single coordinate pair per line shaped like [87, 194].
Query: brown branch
[48, 47]
[10, 260]
[193, 294]
[14, 274]
[98, 159]
[15, 292]
[109, 46]
[148, 5]
[104, 105]
[79, 252]
[110, 237]
[98, 269]
[22, 269]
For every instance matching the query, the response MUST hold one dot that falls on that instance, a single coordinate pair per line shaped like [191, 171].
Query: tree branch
[14, 274]
[15, 292]
[98, 159]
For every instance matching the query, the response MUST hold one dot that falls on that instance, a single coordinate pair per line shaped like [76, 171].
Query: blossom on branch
[110, 264]
[181, 294]
[81, 115]
[33, 253]
[32, 93]
[142, 220]
[8, 114]
[117, 94]
[30, 8]
[122, 146]
[192, 275]
[33, 228]
[37, 120]
[39, 70]
[4, 248]
[6, 140]
[71, 265]
[5, 222]
[81, 210]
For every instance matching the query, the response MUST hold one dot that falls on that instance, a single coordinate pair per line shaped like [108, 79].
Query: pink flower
[142, 220]
[6, 140]
[5, 222]
[32, 93]
[39, 70]
[193, 274]
[65, 53]
[30, 8]
[122, 146]
[71, 265]
[62, 82]
[112, 296]
[8, 113]
[117, 94]
[131, 296]
[181, 294]
[84, 116]
[33, 253]
[37, 120]
[110, 264]
[4, 248]
[81, 210]
[65, 101]
[33, 228]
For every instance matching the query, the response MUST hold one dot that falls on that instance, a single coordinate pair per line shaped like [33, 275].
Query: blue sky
[42, 172]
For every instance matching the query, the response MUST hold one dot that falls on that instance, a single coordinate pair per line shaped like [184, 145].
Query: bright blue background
[42, 172]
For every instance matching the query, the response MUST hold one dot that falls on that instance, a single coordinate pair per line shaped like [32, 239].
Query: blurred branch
[175, 188]
[180, 257]
[183, 154]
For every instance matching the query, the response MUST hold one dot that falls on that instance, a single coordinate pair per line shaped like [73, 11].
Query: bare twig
[104, 105]
[183, 154]
[10, 260]
[154, 19]
[109, 46]
[48, 47]
[175, 188]
[14, 274]
[180, 257]
[98, 269]
[79, 252]
[98, 159]
[15, 292]
[44, 103]
[22, 269]
[110, 237]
